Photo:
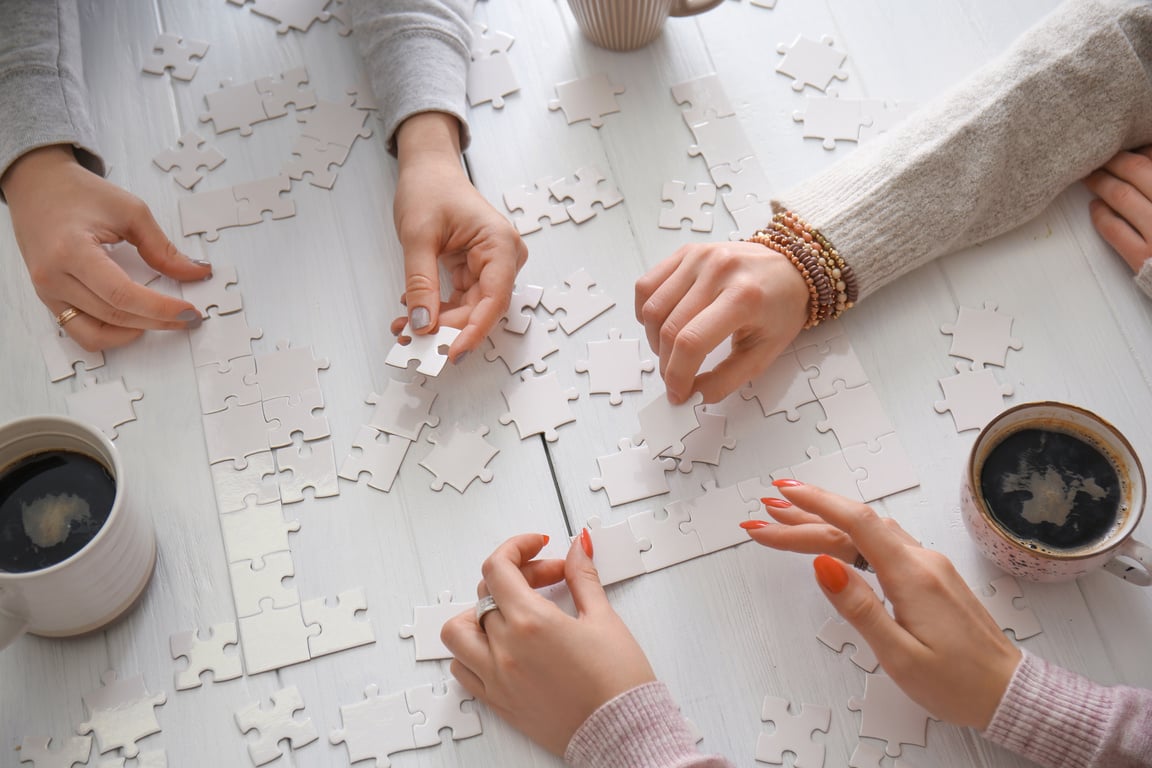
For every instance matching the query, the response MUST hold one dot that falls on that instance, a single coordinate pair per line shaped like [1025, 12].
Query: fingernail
[775, 503]
[420, 318]
[751, 525]
[586, 542]
[831, 573]
[191, 318]
[460, 358]
[201, 263]
[546, 538]
[787, 482]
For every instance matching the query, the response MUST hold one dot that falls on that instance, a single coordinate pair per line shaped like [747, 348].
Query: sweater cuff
[1051, 715]
[1144, 278]
[640, 727]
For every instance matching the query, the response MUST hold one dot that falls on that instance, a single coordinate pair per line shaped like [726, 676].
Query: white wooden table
[723, 630]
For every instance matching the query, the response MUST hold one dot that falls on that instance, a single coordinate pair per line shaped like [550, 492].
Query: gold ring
[69, 314]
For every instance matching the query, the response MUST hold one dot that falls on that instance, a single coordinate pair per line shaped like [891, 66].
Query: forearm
[993, 151]
[641, 728]
[1060, 719]
[416, 53]
[42, 96]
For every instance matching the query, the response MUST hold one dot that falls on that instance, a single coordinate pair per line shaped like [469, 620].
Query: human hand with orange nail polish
[939, 645]
[541, 669]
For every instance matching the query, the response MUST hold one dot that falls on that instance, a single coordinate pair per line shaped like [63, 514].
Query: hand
[542, 670]
[942, 648]
[61, 214]
[690, 302]
[1122, 212]
[440, 217]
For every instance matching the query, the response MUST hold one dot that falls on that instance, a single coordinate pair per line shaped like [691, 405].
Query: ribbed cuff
[1051, 715]
[640, 728]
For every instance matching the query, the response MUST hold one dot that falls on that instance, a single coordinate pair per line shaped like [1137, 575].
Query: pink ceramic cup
[1117, 552]
[624, 25]
[101, 581]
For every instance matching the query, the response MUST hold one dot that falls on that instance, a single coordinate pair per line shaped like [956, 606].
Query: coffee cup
[1052, 492]
[74, 554]
[624, 25]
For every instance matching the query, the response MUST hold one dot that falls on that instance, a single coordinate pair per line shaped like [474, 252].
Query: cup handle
[11, 627]
[692, 7]
[1134, 552]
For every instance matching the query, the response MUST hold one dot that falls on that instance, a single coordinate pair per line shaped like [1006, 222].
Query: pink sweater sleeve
[640, 728]
[1060, 719]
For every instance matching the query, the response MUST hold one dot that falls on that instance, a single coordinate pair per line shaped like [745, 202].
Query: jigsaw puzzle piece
[235, 433]
[301, 414]
[310, 465]
[587, 98]
[855, 415]
[538, 405]
[663, 426]
[442, 706]
[706, 99]
[403, 409]
[631, 474]
[106, 405]
[171, 52]
[380, 456]
[663, 530]
[459, 457]
[782, 388]
[703, 445]
[491, 79]
[1001, 604]
[888, 714]
[254, 198]
[747, 184]
[812, 63]
[793, 733]
[207, 213]
[233, 107]
[830, 472]
[520, 350]
[120, 713]
[585, 187]
[721, 142]
[315, 159]
[73, 750]
[205, 655]
[834, 362]
[333, 122]
[889, 470]
[340, 628]
[292, 14]
[614, 367]
[287, 89]
[61, 354]
[973, 395]
[616, 551]
[687, 206]
[838, 634]
[983, 336]
[276, 724]
[253, 583]
[191, 153]
[426, 624]
[535, 202]
[255, 532]
[832, 119]
[274, 638]
[716, 515]
[214, 293]
[581, 306]
[376, 727]
[430, 350]
[516, 320]
[256, 482]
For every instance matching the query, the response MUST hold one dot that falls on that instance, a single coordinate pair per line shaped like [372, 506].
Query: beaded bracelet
[831, 283]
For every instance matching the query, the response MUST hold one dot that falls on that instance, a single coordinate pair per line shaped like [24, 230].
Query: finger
[139, 227]
[733, 372]
[822, 539]
[583, 580]
[647, 284]
[791, 514]
[107, 293]
[664, 298]
[91, 334]
[714, 322]
[397, 325]
[871, 535]
[468, 680]
[1119, 234]
[543, 573]
[503, 572]
[1133, 168]
[1123, 197]
[422, 283]
[853, 599]
[464, 638]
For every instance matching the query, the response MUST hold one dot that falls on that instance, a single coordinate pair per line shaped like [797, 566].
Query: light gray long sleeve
[992, 152]
[417, 54]
[42, 94]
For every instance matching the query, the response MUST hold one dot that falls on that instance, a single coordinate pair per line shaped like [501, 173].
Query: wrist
[428, 137]
[36, 164]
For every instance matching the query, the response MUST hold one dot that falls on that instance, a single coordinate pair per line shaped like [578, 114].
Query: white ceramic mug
[624, 25]
[1116, 551]
[100, 582]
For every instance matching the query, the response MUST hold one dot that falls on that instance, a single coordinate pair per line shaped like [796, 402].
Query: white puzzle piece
[663, 426]
[490, 79]
[838, 634]
[458, 457]
[224, 385]
[120, 713]
[585, 187]
[171, 52]
[234, 433]
[983, 336]
[274, 638]
[488, 42]
[888, 714]
[73, 750]
[855, 415]
[276, 724]
[442, 705]
[61, 354]
[334, 122]
[706, 99]
[616, 552]
[403, 409]
[1007, 614]
[223, 338]
[377, 454]
[255, 198]
[192, 152]
[156, 758]
[750, 219]
[615, 366]
[292, 14]
[703, 445]
[254, 583]
[340, 627]
[129, 259]
[715, 516]
[538, 405]
[535, 202]
[520, 350]
[889, 469]
[206, 655]
[579, 303]
[235, 106]
[255, 532]
[376, 727]
[256, 482]
[300, 414]
[669, 543]
[812, 63]
[974, 396]
[524, 297]
[429, 350]
[631, 474]
[588, 98]
[213, 293]
[426, 624]
[782, 388]
[106, 405]
[308, 465]
[279, 92]
[747, 184]
[721, 142]
[793, 733]
[687, 206]
[207, 213]
[315, 159]
[834, 362]
[832, 119]
[830, 472]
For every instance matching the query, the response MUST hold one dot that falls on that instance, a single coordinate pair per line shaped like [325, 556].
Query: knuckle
[419, 283]
[669, 332]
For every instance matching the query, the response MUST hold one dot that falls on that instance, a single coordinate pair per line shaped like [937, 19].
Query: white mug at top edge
[625, 25]
[1119, 553]
[101, 581]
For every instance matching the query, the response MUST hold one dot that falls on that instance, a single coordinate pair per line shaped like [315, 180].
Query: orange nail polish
[751, 525]
[786, 482]
[775, 503]
[546, 538]
[831, 573]
[586, 542]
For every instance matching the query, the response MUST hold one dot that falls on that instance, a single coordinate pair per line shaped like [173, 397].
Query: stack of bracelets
[831, 284]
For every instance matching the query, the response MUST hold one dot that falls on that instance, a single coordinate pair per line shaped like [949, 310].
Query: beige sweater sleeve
[993, 151]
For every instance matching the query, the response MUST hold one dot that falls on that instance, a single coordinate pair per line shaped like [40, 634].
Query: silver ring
[861, 563]
[484, 606]
[69, 314]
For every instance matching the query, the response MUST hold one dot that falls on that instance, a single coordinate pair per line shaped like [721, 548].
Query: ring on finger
[861, 563]
[67, 315]
[484, 606]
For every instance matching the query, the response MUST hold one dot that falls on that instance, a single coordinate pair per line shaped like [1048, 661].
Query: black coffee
[1052, 488]
[51, 505]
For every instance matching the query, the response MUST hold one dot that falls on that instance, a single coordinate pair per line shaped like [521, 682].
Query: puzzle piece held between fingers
[430, 350]
[426, 624]
[663, 426]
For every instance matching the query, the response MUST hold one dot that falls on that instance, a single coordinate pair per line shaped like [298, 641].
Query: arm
[62, 209]
[417, 55]
[996, 149]
[579, 685]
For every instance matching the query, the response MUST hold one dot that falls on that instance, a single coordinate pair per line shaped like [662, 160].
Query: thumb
[422, 285]
[861, 607]
[142, 231]
[582, 577]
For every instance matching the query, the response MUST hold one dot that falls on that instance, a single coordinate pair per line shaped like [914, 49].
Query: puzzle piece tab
[275, 724]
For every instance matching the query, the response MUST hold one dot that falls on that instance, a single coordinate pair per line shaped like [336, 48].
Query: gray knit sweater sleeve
[42, 97]
[417, 53]
[993, 151]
